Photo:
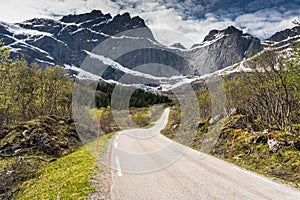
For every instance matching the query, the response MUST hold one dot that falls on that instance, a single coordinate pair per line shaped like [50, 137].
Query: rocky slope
[47, 136]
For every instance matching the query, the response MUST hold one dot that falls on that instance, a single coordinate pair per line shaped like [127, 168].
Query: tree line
[27, 92]
[139, 98]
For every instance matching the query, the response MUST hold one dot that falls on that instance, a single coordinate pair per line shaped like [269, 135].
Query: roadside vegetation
[41, 152]
[27, 92]
[263, 109]
[44, 158]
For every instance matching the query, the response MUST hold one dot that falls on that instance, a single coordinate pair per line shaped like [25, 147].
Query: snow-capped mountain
[122, 49]
[62, 42]
[222, 48]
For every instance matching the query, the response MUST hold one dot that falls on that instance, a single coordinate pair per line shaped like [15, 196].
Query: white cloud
[265, 23]
[17, 11]
[194, 19]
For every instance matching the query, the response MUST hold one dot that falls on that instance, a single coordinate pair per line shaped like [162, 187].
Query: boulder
[275, 145]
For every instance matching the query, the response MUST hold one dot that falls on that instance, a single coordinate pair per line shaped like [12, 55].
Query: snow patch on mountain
[82, 74]
[17, 30]
[46, 62]
[118, 66]
[209, 42]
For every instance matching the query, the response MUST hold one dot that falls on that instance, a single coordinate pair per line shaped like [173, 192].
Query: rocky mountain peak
[125, 19]
[124, 16]
[84, 17]
[232, 30]
[38, 21]
[285, 34]
[41, 24]
[63, 42]
[178, 45]
[213, 34]
[229, 46]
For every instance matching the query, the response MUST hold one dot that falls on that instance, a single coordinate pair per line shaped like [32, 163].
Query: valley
[93, 106]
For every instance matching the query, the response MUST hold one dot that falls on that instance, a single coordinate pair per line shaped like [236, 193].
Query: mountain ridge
[66, 41]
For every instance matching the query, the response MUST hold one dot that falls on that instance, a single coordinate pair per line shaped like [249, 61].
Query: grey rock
[266, 131]
[275, 145]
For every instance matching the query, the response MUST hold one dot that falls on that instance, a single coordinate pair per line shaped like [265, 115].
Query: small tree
[270, 91]
[4, 83]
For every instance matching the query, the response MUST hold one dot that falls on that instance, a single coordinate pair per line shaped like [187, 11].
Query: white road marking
[116, 144]
[256, 176]
[119, 172]
[117, 137]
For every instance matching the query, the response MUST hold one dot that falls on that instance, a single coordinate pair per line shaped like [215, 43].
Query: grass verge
[67, 177]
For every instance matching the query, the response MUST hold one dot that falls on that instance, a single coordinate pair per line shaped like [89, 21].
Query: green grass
[68, 177]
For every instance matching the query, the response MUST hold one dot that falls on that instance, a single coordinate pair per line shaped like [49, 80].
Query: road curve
[147, 165]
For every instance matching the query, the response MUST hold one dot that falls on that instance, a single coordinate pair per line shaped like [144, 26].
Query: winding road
[147, 165]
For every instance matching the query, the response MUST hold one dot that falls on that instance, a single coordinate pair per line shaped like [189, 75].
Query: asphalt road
[147, 165]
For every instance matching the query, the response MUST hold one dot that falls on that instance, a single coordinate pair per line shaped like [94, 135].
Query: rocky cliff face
[222, 48]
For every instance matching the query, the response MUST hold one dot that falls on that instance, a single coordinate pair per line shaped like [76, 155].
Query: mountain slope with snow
[134, 56]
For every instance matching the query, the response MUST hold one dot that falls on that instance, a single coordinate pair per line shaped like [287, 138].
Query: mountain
[222, 48]
[283, 39]
[178, 45]
[285, 34]
[122, 49]
[62, 42]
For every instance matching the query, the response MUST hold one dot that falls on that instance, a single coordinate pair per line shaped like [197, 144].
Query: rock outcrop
[48, 136]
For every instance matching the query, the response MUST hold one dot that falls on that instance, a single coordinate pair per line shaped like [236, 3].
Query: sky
[184, 21]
